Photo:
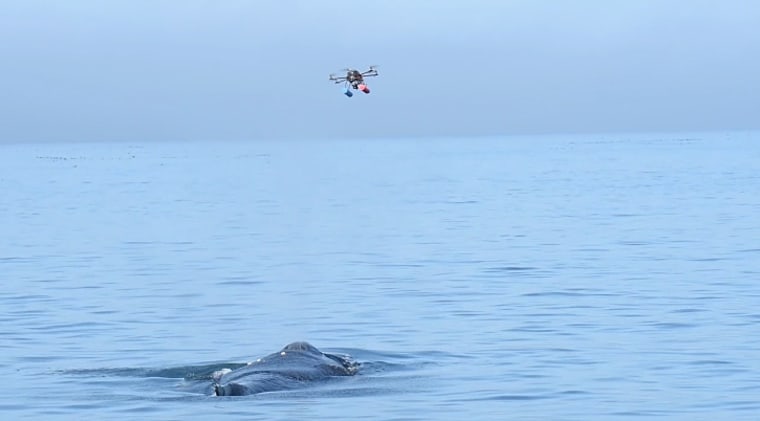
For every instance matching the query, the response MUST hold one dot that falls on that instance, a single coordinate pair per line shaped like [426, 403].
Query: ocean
[568, 277]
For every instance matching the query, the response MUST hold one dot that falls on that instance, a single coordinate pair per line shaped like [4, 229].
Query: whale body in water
[297, 365]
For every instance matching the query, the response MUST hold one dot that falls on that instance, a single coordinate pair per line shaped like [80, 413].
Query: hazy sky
[234, 69]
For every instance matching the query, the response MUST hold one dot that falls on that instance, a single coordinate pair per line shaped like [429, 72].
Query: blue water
[566, 277]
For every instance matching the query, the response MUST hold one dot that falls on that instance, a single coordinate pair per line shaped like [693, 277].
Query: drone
[354, 79]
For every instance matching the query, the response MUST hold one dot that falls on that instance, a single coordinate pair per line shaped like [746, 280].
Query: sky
[145, 70]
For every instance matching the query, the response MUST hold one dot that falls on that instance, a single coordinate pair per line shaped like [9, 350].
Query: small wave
[510, 269]
[191, 372]
[507, 397]
[580, 293]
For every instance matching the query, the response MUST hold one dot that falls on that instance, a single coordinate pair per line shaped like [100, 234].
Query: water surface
[567, 277]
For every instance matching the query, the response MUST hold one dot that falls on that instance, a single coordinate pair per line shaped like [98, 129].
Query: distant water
[536, 278]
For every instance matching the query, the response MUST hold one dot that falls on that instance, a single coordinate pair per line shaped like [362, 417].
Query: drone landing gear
[347, 92]
[364, 88]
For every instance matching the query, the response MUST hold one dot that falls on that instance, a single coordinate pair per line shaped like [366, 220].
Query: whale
[297, 365]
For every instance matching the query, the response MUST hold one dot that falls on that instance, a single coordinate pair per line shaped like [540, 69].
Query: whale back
[294, 366]
[301, 346]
